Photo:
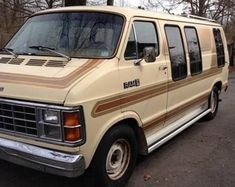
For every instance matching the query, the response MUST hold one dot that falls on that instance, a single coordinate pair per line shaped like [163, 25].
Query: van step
[177, 131]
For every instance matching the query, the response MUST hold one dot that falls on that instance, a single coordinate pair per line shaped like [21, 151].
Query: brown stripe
[193, 79]
[62, 82]
[155, 122]
[174, 112]
[128, 99]
[115, 103]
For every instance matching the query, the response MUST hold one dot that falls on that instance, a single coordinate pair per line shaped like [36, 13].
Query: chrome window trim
[136, 41]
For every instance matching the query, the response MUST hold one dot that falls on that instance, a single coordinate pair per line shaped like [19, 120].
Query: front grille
[18, 118]
[26, 119]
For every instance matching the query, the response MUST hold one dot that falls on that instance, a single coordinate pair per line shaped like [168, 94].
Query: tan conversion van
[90, 88]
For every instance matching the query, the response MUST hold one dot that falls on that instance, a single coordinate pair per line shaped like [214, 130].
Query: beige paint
[99, 87]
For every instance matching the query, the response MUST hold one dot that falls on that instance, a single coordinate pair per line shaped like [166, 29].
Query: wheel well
[218, 85]
[139, 133]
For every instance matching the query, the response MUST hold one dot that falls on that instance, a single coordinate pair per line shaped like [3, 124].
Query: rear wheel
[115, 157]
[213, 104]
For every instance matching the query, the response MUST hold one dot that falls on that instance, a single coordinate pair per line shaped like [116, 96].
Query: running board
[177, 131]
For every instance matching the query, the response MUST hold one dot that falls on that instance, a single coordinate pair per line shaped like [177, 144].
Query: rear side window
[219, 48]
[176, 51]
[143, 34]
[194, 50]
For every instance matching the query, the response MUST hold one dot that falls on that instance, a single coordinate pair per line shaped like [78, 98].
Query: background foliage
[13, 13]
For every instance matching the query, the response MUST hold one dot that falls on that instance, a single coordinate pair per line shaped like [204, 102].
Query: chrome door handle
[162, 68]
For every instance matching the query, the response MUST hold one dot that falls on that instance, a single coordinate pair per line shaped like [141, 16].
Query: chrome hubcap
[213, 101]
[118, 159]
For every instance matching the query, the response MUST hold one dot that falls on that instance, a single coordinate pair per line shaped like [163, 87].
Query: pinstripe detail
[192, 79]
[59, 83]
[177, 111]
[124, 100]
[115, 103]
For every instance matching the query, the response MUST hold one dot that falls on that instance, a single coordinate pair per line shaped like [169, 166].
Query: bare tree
[46, 4]
[110, 2]
[220, 10]
[14, 13]
[215, 9]
[75, 2]
[157, 4]
[96, 2]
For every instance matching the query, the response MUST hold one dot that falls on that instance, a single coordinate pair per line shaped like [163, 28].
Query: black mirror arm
[138, 61]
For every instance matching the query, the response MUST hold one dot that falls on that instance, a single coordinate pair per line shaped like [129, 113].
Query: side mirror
[149, 54]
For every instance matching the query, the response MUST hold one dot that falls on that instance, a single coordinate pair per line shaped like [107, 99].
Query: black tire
[108, 156]
[213, 102]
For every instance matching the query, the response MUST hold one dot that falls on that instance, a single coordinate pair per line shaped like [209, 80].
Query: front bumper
[41, 159]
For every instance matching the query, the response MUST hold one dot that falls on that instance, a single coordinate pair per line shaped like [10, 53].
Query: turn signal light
[72, 134]
[72, 131]
[71, 119]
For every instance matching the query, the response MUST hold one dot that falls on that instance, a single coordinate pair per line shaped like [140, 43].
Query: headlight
[64, 125]
[53, 132]
[51, 116]
[50, 124]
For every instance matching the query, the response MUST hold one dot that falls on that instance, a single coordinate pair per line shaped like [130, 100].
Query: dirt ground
[203, 155]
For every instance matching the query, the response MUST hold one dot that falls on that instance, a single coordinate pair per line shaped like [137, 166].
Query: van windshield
[82, 34]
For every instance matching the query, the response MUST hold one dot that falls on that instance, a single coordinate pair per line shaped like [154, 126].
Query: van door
[144, 84]
[186, 97]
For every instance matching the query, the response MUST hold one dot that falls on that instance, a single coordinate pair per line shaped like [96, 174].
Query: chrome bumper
[41, 159]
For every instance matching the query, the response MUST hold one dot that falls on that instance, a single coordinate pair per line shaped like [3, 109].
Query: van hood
[41, 79]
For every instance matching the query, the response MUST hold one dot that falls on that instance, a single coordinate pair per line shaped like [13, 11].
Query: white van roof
[131, 12]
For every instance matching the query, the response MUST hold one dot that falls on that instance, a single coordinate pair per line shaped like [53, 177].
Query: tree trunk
[50, 3]
[110, 2]
[202, 8]
[75, 2]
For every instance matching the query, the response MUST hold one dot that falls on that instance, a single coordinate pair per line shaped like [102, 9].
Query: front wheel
[213, 104]
[115, 157]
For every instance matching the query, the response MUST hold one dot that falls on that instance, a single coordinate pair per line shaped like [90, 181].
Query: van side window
[219, 47]
[146, 36]
[143, 34]
[176, 51]
[194, 50]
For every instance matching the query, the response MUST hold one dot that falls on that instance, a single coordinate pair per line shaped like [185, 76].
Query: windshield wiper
[10, 51]
[42, 48]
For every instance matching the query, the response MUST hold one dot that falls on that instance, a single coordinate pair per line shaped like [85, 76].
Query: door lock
[162, 68]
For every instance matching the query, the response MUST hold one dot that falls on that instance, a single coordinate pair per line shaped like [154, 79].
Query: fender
[108, 125]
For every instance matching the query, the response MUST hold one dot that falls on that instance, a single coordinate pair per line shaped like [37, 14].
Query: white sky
[136, 3]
